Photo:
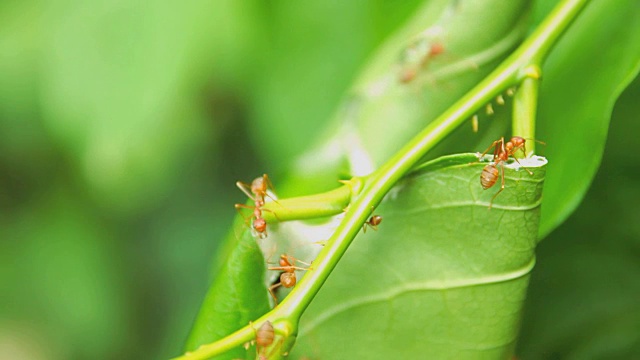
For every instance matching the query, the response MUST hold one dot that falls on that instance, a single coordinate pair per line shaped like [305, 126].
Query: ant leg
[271, 211]
[239, 206]
[260, 231]
[368, 223]
[246, 189]
[288, 268]
[495, 143]
[285, 262]
[270, 186]
[269, 183]
[242, 206]
[373, 222]
[292, 260]
[272, 199]
[305, 263]
[529, 171]
[501, 187]
[273, 295]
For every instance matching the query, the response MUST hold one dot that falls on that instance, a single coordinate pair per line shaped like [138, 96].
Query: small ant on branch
[408, 73]
[257, 192]
[288, 276]
[502, 151]
[373, 223]
[265, 337]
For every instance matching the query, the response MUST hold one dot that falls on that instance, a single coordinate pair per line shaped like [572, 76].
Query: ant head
[260, 225]
[288, 279]
[284, 260]
[521, 140]
[436, 49]
[517, 141]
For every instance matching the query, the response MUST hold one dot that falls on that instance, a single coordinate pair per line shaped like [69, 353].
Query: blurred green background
[124, 125]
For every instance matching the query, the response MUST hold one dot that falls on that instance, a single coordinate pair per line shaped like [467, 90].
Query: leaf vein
[428, 285]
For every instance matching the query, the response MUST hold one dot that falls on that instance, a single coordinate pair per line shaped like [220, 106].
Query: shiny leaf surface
[443, 277]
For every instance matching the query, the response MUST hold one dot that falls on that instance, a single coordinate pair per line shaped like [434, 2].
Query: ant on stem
[410, 72]
[257, 192]
[288, 276]
[502, 151]
[373, 222]
[265, 336]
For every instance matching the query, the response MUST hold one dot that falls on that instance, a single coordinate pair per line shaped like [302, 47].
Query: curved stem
[536, 48]
[313, 206]
[380, 182]
[514, 70]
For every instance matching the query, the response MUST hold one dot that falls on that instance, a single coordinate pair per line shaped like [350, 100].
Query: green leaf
[472, 47]
[443, 277]
[237, 296]
[381, 113]
[584, 75]
[582, 301]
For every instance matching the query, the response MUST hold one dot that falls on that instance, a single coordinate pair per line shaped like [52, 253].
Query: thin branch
[513, 71]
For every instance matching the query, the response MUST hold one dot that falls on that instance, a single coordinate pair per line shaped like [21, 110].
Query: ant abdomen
[265, 335]
[288, 279]
[489, 176]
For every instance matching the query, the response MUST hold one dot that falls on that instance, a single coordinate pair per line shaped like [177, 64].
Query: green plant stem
[524, 111]
[314, 206]
[513, 71]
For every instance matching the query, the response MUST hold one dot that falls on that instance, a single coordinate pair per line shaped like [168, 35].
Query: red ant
[257, 192]
[288, 276]
[501, 153]
[373, 222]
[408, 74]
[265, 336]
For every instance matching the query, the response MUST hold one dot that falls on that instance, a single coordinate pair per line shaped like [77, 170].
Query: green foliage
[582, 302]
[416, 290]
[589, 68]
[235, 298]
[388, 99]
[63, 280]
[96, 83]
[379, 114]
[123, 127]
